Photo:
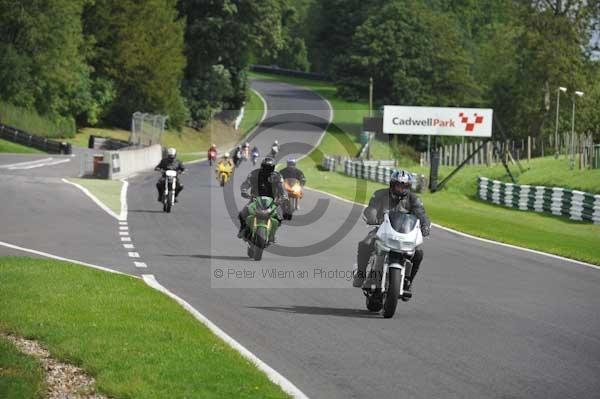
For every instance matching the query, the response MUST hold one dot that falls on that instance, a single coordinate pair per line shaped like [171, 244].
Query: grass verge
[107, 191]
[9, 146]
[457, 206]
[135, 341]
[21, 376]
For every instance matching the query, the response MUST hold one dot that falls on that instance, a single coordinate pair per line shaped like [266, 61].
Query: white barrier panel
[127, 162]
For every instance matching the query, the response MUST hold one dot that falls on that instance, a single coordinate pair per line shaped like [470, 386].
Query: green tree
[138, 46]
[224, 33]
[42, 58]
[415, 56]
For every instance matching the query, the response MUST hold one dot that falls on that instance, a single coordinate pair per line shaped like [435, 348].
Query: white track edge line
[47, 255]
[12, 165]
[286, 385]
[578, 262]
[93, 198]
[124, 208]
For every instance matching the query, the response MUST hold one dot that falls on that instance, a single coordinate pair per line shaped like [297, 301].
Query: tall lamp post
[556, 140]
[572, 146]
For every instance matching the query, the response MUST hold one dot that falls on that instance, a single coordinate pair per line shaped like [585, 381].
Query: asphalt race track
[486, 321]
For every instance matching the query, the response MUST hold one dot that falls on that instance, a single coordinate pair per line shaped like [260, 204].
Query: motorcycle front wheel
[393, 291]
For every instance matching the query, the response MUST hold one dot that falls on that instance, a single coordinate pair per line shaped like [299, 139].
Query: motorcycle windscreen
[402, 222]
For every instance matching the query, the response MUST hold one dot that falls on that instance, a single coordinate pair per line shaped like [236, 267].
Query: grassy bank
[135, 341]
[107, 191]
[34, 123]
[457, 206]
[21, 376]
[9, 146]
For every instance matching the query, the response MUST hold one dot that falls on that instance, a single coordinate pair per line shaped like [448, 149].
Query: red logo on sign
[470, 126]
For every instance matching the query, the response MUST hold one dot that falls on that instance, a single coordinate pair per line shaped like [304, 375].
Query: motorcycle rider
[274, 149]
[225, 159]
[397, 197]
[212, 151]
[246, 150]
[292, 172]
[266, 182]
[255, 154]
[237, 155]
[169, 163]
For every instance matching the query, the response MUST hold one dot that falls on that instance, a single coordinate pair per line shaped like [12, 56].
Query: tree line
[509, 55]
[98, 61]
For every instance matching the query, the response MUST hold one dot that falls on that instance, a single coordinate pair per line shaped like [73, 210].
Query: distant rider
[397, 197]
[225, 160]
[246, 151]
[292, 172]
[237, 156]
[262, 182]
[169, 163]
[274, 149]
[212, 153]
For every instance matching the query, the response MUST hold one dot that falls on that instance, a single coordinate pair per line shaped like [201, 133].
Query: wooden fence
[525, 149]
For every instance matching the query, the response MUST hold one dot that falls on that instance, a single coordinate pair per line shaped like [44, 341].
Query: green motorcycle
[262, 223]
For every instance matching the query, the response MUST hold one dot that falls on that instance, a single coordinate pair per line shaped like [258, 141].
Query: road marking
[126, 239]
[285, 384]
[39, 165]
[123, 223]
[93, 198]
[133, 254]
[123, 233]
[124, 209]
[123, 228]
[128, 246]
[140, 264]
[47, 255]
[8, 166]
[476, 238]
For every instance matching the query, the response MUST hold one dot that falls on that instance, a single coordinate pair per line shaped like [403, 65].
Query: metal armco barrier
[41, 143]
[376, 171]
[576, 205]
[328, 163]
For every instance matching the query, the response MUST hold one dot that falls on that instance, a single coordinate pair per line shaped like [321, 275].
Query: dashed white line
[128, 246]
[140, 264]
[123, 227]
[126, 239]
[123, 233]
[123, 223]
[133, 254]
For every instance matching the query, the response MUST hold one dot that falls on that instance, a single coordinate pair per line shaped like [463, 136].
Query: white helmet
[276, 142]
[171, 152]
[226, 155]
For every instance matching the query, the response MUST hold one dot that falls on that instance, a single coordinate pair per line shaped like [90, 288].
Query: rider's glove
[425, 229]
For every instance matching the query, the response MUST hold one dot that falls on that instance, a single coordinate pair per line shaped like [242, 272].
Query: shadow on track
[215, 257]
[315, 310]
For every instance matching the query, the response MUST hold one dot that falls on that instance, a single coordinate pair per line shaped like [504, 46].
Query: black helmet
[268, 165]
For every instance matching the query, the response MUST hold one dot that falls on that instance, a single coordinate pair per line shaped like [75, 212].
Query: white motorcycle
[168, 196]
[395, 243]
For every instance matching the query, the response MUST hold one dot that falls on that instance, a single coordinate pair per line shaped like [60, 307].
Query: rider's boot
[362, 259]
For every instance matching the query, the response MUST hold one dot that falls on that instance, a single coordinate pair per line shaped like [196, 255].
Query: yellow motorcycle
[224, 172]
